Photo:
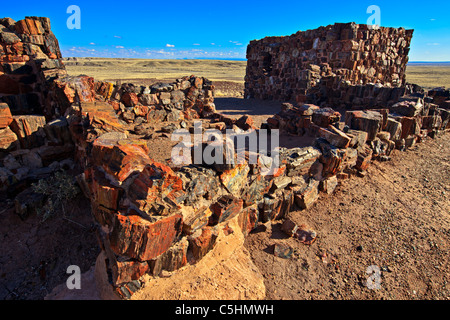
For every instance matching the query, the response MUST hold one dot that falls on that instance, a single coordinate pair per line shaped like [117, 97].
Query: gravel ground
[396, 218]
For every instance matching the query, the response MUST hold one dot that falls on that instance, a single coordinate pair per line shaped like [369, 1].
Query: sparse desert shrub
[58, 189]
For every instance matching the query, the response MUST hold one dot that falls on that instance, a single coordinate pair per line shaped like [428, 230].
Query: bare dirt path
[396, 218]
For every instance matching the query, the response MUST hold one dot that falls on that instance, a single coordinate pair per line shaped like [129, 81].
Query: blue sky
[222, 29]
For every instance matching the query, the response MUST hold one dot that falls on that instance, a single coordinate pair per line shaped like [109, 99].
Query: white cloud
[213, 44]
[196, 44]
[433, 44]
[432, 19]
[170, 45]
[118, 37]
[166, 53]
[92, 44]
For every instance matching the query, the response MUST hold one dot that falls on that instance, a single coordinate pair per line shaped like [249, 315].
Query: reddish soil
[397, 217]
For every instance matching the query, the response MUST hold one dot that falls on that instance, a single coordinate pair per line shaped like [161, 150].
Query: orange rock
[198, 82]
[306, 197]
[235, 179]
[197, 220]
[104, 193]
[31, 26]
[8, 139]
[127, 271]
[157, 190]
[325, 117]
[119, 161]
[129, 99]
[225, 208]
[5, 116]
[368, 121]
[202, 242]
[29, 129]
[334, 136]
[364, 157]
[248, 219]
[143, 240]
[141, 111]
[21, 27]
[101, 114]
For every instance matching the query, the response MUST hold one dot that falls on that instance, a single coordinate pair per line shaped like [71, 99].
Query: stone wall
[158, 218]
[287, 68]
[37, 97]
[30, 58]
[189, 97]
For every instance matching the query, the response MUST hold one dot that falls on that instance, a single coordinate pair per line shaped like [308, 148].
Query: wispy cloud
[170, 45]
[236, 43]
[118, 37]
[196, 44]
[432, 19]
[433, 44]
[150, 53]
[92, 44]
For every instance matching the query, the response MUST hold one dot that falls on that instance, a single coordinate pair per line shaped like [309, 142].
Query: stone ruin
[296, 67]
[154, 217]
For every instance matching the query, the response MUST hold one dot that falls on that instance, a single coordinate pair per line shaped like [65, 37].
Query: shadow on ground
[252, 107]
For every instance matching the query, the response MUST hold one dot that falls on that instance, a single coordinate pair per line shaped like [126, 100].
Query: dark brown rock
[368, 121]
[225, 208]
[202, 242]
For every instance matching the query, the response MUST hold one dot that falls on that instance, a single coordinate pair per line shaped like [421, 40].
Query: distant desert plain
[428, 75]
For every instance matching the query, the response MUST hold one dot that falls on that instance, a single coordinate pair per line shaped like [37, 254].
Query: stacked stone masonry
[290, 68]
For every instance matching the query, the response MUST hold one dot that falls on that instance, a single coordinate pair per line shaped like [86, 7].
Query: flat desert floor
[427, 75]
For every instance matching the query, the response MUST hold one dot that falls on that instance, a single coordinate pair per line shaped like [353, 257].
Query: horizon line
[212, 58]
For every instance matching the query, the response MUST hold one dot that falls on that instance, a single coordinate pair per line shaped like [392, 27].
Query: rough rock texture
[226, 273]
[30, 57]
[287, 68]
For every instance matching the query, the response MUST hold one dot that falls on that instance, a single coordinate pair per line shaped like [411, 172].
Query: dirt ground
[396, 218]
[35, 254]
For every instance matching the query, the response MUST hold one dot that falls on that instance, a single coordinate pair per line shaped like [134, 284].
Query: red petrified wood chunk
[5, 116]
[140, 239]
[119, 160]
[101, 114]
[225, 208]
[127, 271]
[203, 241]
[156, 189]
